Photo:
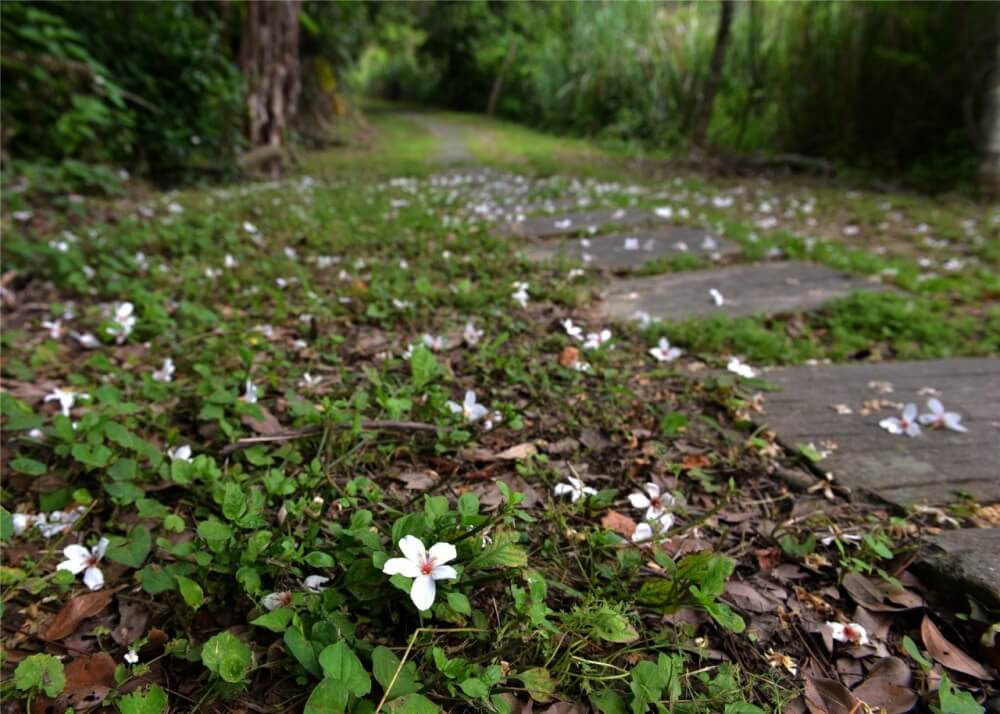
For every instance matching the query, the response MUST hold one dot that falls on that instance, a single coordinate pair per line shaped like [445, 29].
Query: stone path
[633, 250]
[452, 148]
[585, 223]
[967, 559]
[761, 289]
[931, 468]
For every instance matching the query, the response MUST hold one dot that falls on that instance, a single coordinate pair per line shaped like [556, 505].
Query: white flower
[132, 657]
[664, 212]
[939, 418]
[663, 352]
[57, 522]
[631, 244]
[468, 408]
[650, 498]
[175, 208]
[54, 327]
[851, 632]
[424, 566]
[651, 527]
[574, 331]
[22, 522]
[471, 335]
[316, 583]
[250, 392]
[849, 538]
[741, 368]
[80, 559]
[643, 318]
[86, 340]
[123, 321]
[22, 216]
[249, 227]
[308, 381]
[433, 342]
[65, 397]
[716, 297]
[272, 601]
[575, 488]
[562, 224]
[166, 372]
[596, 339]
[520, 294]
[906, 423]
[229, 262]
[180, 453]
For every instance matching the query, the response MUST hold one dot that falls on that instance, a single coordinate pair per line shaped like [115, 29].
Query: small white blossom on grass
[469, 408]
[575, 488]
[736, 366]
[229, 262]
[905, 423]
[65, 397]
[434, 342]
[250, 392]
[716, 297]
[180, 453]
[852, 633]
[80, 559]
[520, 294]
[838, 535]
[55, 328]
[656, 503]
[938, 418]
[22, 522]
[424, 566]
[123, 322]
[49, 525]
[87, 340]
[663, 352]
[132, 657]
[664, 212]
[308, 381]
[596, 339]
[643, 318]
[574, 331]
[166, 372]
[471, 335]
[316, 583]
[652, 527]
[249, 227]
[272, 601]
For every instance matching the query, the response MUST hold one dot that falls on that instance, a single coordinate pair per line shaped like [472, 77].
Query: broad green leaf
[330, 696]
[156, 580]
[214, 530]
[152, 700]
[134, 550]
[475, 688]
[191, 591]
[956, 701]
[276, 620]
[412, 704]
[227, 657]
[40, 673]
[24, 465]
[459, 603]
[611, 626]
[539, 684]
[302, 650]
[384, 666]
[339, 662]
[424, 367]
[234, 502]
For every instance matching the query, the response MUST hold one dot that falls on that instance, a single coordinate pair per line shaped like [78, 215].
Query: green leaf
[956, 701]
[276, 620]
[611, 626]
[156, 580]
[227, 657]
[339, 662]
[152, 700]
[724, 615]
[302, 650]
[539, 684]
[40, 673]
[911, 649]
[424, 367]
[608, 702]
[413, 704]
[6, 525]
[123, 470]
[191, 591]
[384, 666]
[94, 456]
[503, 553]
[475, 688]
[319, 560]
[28, 466]
[214, 530]
[459, 603]
[328, 697]
[234, 502]
[134, 550]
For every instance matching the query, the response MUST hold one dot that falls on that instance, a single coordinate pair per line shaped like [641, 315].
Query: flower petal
[643, 532]
[652, 489]
[444, 572]
[100, 548]
[910, 412]
[561, 489]
[76, 554]
[423, 591]
[413, 548]
[93, 578]
[401, 566]
[442, 553]
[638, 500]
[953, 421]
[935, 405]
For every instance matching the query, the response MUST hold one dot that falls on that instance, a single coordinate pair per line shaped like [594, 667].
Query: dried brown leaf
[948, 654]
[618, 523]
[267, 425]
[75, 611]
[882, 695]
[828, 696]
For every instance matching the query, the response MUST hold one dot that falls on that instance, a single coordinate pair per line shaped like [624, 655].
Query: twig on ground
[306, 432]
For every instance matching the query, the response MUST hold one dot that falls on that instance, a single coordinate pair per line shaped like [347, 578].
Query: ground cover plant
[332, 443]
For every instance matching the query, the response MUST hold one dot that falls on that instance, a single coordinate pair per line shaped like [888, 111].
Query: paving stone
[967, 559]
[587, 222]
[765, 289]
[931, 468]
[632, 250]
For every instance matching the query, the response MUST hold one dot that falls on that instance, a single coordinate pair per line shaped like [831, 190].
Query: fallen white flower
[938, 418]
[468, 408]
[80, 559]
[663, 352]
[575, 488]
[852, 633]
[425, 566]
[906, 423]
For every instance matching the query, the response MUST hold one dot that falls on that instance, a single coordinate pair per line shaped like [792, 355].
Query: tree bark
[714, 71]
[269, 59]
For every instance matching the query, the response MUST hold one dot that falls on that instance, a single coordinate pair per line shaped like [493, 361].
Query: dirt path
[452, 148]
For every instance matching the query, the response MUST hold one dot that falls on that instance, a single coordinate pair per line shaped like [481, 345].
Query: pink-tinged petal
[101, 548]
[935, 405]
[442, 553]
[891, 425]
[652, 489]
[444, 572]
[910, 412]
[642, 533]
[93, 578]
[73, 566]
[666, 521]
[455, 407]
[638, 500]
[470, 398]
[401, 566]
[953, 421]
[78, 555]
[561, 489]
[413, 548]
[913, 429]
[423, 591]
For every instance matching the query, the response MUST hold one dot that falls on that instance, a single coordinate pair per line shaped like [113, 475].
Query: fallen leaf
[884, 696]
[132, 621]
[618, 523]
[75, 611]
[768, 558]
[892, 669]
[866, 593]
[828, 696]
[520, 451]
[569, 356]
[89, 680]
[948, 654]
[417, 480]
[747, 597]
[267, 425]
[695, 461]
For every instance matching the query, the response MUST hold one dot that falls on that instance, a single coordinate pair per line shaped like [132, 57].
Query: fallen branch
[308, 431]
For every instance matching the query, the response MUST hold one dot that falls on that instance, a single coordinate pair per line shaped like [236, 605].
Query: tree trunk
[714, 72]
[989, 167]
[491, 105]
[269, 59]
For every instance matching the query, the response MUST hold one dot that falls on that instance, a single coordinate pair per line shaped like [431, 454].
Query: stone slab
[760, 289]
[623, 251]
[968, 559]
[583, 223]
[930, 468]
